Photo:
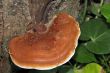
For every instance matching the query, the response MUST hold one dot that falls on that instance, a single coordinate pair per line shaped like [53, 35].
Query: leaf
[100, 44]
[65, 69]
[105, 11]
[92, 28]
[90, 68]
[98, 35]
[83, 55]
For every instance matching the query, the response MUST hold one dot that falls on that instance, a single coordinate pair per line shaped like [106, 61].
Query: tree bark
[19, 16]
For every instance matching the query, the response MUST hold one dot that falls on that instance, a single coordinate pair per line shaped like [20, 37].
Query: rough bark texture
[18, 16]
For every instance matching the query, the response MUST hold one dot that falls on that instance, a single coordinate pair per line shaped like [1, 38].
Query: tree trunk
[19, 16]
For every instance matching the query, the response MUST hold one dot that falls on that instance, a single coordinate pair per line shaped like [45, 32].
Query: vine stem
[84, 12]
[99, 9]
[101, 3]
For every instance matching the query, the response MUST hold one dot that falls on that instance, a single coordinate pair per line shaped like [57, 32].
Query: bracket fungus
[47, 47]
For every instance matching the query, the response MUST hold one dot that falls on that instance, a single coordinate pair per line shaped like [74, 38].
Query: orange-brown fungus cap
[47, 50]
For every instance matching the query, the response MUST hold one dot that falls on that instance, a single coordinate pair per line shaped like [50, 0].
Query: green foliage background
[94, 45]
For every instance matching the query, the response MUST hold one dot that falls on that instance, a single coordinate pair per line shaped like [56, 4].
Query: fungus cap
[48, 50]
